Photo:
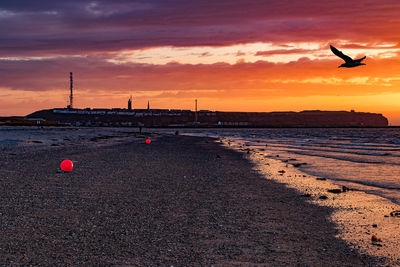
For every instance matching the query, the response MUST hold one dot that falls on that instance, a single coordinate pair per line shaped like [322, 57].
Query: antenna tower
[195, 113]
[71, 97]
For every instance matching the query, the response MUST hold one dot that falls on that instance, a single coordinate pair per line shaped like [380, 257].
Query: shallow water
[44, 136]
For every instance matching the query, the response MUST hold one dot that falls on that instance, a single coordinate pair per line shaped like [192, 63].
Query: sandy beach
[181, 201]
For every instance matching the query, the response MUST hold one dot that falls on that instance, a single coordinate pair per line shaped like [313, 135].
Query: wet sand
[181, 201]
[357, 215]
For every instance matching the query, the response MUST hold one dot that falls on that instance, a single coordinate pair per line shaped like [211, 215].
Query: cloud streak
[301, 77]
[85, 27]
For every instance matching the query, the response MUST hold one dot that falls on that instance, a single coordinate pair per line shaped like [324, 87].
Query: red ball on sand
[148, 141]
[66, 165]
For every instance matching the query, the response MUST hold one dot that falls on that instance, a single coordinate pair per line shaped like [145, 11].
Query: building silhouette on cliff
[130, 103]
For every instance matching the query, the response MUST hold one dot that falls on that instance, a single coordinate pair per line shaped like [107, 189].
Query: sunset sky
[253, 55]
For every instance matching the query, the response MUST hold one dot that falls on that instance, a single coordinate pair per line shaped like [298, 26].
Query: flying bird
[350, 63]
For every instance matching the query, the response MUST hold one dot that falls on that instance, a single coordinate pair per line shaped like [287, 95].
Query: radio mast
[71, 96]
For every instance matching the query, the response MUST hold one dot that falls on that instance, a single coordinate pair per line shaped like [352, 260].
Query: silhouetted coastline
[206, 118]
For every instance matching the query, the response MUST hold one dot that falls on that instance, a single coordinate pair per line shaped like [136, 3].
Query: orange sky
[248, 57]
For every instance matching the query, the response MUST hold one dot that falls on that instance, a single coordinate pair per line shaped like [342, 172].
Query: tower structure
[130, 103]
[148, 105]
[71, 96]
[195, 113]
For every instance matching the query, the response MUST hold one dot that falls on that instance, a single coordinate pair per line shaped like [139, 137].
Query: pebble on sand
[335, 191]
[395, 213]
[374, 238]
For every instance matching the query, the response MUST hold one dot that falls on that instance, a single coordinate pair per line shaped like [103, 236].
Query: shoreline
[358, 215]
[172, 202]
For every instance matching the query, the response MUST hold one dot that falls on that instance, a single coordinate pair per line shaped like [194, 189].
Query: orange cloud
[258, 86]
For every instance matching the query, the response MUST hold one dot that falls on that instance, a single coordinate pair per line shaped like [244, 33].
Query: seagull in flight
[350, 63]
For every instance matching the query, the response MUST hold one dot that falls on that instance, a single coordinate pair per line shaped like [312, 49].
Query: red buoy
[148, 141]
[66, 165]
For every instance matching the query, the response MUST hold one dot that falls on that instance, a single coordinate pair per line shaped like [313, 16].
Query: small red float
[66, 165]
[148, 141]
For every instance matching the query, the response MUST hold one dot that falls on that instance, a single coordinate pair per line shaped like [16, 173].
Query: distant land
[118, 117]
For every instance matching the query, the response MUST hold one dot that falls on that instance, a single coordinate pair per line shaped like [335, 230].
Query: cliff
[205, 118]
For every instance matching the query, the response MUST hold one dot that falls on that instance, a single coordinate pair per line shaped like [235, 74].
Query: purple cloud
[54, 27]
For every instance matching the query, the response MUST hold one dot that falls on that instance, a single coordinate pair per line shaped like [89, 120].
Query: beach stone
[395, 213]
[374, 238]
[335, 191]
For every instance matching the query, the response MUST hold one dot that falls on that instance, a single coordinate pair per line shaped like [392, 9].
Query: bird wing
[360, 59]
[341, 55]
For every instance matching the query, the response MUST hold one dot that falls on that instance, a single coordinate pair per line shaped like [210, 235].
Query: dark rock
[374, 225]
[321, 179]
[395, 213]
[323, 197]
[282, 171]
[218, 156]
[374, 238]
[335, 191]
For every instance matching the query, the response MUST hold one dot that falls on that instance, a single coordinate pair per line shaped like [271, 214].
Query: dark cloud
[55, 27]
